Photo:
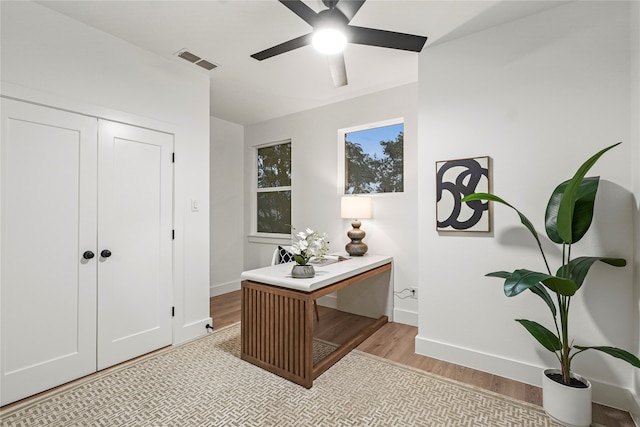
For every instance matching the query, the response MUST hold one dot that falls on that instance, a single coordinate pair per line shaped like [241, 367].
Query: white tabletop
[280, 274]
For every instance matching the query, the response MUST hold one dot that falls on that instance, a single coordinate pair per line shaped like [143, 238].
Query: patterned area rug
[205, 383]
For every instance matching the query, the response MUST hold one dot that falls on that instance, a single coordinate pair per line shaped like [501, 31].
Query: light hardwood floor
[395, 342]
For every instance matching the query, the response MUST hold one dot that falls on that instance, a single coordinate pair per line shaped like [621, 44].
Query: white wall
[539, 95]
[50, 59]
[635, 136]
[227, 209]
[316, 203]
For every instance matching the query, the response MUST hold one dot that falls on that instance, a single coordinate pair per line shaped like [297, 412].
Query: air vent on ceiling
[195, 59]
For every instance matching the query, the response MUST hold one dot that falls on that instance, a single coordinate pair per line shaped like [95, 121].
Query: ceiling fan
[336, 19]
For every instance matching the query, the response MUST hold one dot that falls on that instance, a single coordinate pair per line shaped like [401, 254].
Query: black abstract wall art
[456, 179]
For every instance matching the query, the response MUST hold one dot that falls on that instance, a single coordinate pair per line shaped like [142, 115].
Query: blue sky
[370, 139]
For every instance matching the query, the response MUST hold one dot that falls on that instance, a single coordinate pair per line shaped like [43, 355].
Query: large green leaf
[615, 352]
[501, 274]
[522, 280]
[523, 219]
[548, 339]
[582, 215]
[568, 202]
[537, 289]
[579, 267]
[560, 285]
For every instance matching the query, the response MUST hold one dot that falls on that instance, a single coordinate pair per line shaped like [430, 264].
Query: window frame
[342, 152]
[255, 235]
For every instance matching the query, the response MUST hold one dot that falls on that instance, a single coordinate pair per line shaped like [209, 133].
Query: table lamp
[356, 208]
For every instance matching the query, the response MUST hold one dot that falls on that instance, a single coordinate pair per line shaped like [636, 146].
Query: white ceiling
[227, 32]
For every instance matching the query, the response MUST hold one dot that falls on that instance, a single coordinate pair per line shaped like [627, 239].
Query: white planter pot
[566, 405]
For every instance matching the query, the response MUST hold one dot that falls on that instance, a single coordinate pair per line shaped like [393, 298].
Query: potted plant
[308, 244]
[568, 217]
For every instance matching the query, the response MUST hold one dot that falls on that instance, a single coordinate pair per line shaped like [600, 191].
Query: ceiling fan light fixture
[329, 41]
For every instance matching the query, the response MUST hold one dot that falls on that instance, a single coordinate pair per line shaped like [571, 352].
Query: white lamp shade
[355, 207]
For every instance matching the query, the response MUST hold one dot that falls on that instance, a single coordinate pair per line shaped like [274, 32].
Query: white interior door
[48, 220]
[135, 201]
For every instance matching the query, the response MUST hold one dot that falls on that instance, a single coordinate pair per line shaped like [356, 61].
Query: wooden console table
[277, 315]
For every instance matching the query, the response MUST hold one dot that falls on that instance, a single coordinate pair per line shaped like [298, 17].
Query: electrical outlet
[414, 293]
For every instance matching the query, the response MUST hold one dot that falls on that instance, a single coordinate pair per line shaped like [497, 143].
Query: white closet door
[48, 220]
[135, 200]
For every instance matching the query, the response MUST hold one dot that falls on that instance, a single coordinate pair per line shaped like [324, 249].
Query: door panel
[48, 219]
[135, 200]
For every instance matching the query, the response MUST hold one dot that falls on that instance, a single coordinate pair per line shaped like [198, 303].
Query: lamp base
[356, 247]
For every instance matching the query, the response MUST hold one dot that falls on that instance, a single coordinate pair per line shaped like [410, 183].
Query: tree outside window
[374, 160]
[274, 189]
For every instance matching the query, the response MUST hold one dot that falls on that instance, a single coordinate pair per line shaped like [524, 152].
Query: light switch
[195, 206]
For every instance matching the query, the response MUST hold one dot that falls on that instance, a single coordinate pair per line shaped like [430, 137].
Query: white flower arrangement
[309, 244]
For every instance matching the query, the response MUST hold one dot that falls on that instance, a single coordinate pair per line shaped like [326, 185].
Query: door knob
[106, 253]
[88, 255]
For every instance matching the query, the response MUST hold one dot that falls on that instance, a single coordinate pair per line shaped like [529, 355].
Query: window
[374, 158]
[273, 196]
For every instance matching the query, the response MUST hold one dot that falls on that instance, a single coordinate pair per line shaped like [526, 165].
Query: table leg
[277, 331]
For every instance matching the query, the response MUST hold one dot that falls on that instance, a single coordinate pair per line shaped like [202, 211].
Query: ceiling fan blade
[302, 10]
[338, 69]
[283, 47]
[383, 38]
[349, 8]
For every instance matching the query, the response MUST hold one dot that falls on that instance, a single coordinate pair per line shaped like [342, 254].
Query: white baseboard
[606, 394]
[612, 395]
[405, 317]
[223, 288]
[330, 301]
[634, 410]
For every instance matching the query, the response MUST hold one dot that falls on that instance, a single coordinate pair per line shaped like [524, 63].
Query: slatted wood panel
[277, 331]
[277, 328]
